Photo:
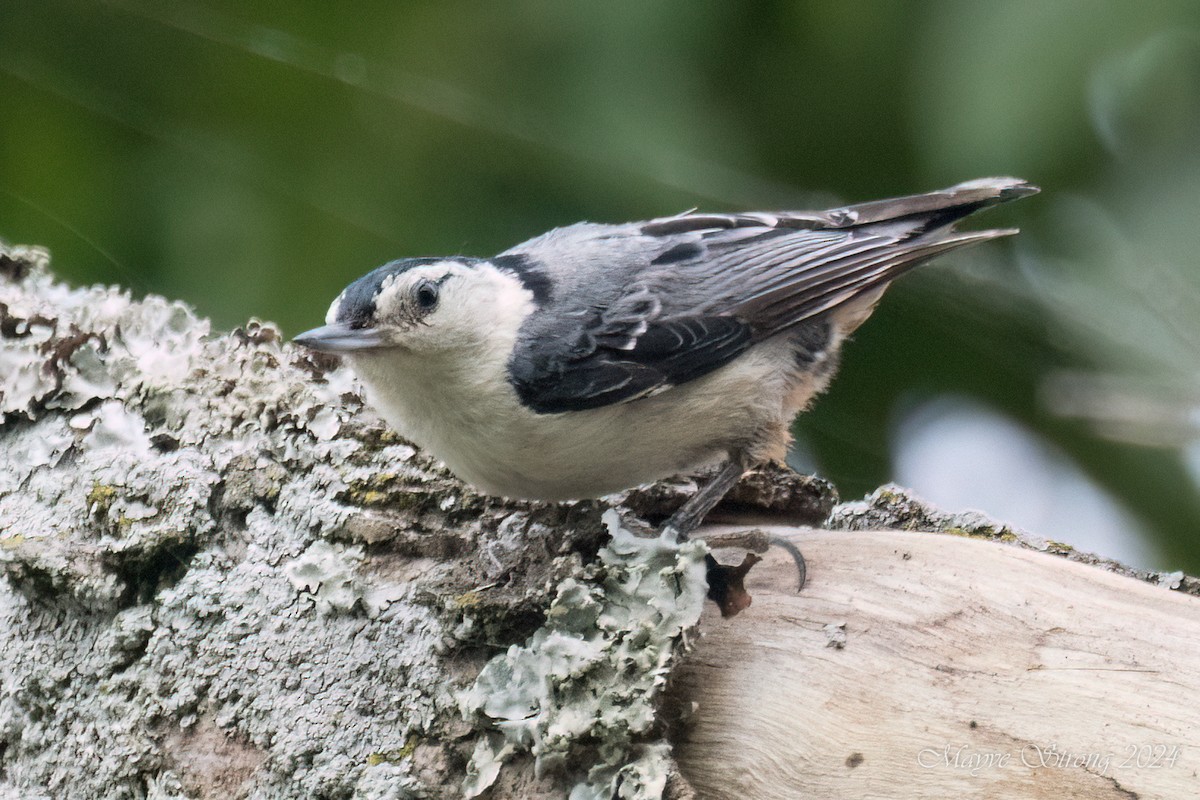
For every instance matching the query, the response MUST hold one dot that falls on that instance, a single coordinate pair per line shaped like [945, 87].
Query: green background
[253, 157]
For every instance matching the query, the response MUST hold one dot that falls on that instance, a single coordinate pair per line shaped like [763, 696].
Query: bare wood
[970, 669]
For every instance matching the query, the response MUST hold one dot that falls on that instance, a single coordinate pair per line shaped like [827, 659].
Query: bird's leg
[692, 513]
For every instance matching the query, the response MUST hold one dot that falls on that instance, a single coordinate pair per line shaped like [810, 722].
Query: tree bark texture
[224, 577]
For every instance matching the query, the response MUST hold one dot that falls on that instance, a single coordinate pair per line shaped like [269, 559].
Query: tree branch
[224, 576]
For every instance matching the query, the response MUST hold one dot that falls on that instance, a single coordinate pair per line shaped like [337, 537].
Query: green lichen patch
[388, 490]
[100, 498]
[394, 756]
[11, 541]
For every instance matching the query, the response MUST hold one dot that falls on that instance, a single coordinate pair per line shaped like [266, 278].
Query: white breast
[473, 421]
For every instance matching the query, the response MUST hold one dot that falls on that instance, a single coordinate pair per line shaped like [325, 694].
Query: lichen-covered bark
[222, 576]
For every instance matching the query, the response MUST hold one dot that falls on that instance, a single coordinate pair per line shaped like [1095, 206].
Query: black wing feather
[665, 354]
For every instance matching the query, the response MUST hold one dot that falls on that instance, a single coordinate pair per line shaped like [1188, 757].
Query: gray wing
[637, 309]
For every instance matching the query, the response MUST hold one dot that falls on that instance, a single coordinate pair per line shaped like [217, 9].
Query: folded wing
[697, 290]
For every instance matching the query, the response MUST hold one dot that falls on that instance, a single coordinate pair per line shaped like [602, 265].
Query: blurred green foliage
[254, 157]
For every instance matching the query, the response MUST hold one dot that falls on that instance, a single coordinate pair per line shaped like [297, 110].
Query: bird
[599, 357]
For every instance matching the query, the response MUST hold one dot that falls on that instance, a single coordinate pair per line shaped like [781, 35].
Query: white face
[436, 306]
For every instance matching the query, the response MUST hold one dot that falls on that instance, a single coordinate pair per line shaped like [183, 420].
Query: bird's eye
[425, 294]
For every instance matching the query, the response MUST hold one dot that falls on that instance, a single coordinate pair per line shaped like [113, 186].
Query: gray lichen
[893, 507]
[222, 576]
[592, 672]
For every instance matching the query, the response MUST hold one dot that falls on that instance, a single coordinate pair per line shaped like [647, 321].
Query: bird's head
[422, 306]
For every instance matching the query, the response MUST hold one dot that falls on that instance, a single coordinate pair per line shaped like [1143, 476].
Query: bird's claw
[726, 581]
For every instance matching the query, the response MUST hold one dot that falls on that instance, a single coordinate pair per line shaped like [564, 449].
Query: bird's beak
[341, 338]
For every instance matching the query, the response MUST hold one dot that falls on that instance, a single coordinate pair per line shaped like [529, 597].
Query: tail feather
[941, 207]
[931, 210]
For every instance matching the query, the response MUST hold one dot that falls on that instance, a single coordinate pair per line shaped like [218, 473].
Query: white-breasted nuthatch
[595, 357]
